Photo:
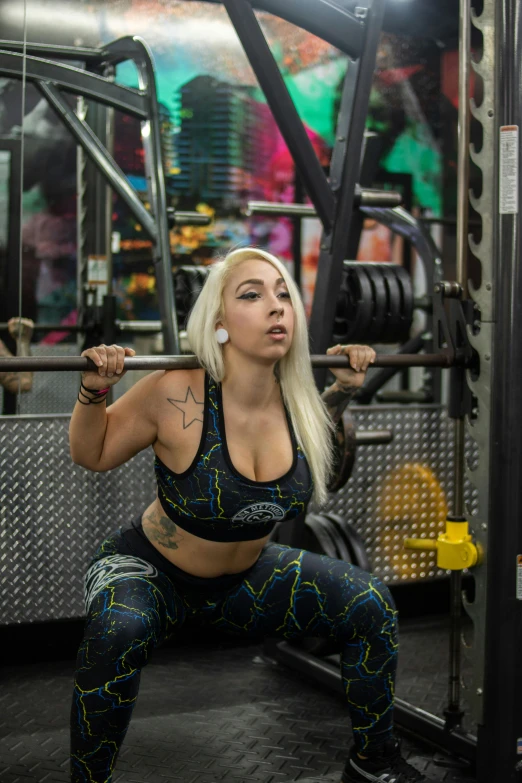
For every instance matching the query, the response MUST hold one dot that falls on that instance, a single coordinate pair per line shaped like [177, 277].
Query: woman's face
[257, 300]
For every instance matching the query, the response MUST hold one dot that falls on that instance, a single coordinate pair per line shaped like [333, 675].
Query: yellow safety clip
[455, 550]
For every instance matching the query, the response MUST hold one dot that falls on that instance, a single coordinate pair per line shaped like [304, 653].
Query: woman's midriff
[194, 555]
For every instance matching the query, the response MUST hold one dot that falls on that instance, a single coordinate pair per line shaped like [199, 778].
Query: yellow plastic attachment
[455, 550]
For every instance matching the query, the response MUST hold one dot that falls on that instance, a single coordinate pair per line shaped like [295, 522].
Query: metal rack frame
[55, 79]
[497, 426]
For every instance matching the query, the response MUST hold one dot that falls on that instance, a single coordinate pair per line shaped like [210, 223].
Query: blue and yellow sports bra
[212, 500]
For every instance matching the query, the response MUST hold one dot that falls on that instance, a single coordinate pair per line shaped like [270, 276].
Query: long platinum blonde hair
[312, 424]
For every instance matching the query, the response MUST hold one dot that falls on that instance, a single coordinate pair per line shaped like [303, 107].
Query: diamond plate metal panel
[420, 462]
[53, 513]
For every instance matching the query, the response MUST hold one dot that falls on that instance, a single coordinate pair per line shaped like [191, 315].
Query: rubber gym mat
[204, 714]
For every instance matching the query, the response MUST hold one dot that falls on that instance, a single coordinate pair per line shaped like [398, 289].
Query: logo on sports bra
[259, 513]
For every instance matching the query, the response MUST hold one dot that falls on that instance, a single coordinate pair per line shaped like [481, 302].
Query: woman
[240, 445]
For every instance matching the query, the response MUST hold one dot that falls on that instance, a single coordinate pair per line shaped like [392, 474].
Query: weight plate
[341, 543]
[323, 535]
[406, 287]
[342, 309]
[377, 331]
[360, 302]
[354, 542]
[393, 320]
[345, 445]
[410, 502]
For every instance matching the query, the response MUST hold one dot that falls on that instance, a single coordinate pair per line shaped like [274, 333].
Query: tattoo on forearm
[191, 409]
[336, 401]
[163, 531]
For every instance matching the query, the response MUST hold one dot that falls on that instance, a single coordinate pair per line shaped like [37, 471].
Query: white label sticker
[519, 577]
[508, 195]
[97, 277]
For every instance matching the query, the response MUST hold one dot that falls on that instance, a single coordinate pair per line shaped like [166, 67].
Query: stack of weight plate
[375, 304]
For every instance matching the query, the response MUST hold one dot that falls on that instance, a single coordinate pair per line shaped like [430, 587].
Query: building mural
[221, 146]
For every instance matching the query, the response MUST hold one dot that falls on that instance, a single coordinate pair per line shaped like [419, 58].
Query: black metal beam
[334, 248]
[328, 19]
[99, 156]
[75, 81]
[283, 108]
[499, 735]
[77, 53]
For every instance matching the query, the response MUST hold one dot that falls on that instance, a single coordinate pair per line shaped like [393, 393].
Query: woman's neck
[252, 387]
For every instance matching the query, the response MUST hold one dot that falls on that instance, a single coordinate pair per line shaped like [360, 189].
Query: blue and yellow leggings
[134, 605]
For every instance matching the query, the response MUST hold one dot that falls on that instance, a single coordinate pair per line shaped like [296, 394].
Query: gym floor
[219, 712]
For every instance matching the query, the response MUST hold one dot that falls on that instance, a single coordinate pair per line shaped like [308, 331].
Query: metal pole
[189, 362]
[463, 144]
[453, 713]
[500, 730]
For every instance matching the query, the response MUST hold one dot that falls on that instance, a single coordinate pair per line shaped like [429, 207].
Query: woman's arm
[336, 398]
[347, 380]
[15, 381]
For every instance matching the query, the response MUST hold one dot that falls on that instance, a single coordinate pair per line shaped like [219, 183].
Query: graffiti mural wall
[221, 146]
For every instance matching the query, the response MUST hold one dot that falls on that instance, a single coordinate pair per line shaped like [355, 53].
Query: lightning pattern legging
[133, 605]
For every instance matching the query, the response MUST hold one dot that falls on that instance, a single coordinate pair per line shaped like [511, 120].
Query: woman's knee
[376, 611]
[125, 623]
[363, 604]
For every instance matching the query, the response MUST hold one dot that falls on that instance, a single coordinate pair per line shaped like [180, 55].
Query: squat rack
[497, 425]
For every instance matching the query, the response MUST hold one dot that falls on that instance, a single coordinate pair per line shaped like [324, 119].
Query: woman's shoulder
[179, 380]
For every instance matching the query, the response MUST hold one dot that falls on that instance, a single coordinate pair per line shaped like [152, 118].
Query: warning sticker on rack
[519, 577]
[508, 200]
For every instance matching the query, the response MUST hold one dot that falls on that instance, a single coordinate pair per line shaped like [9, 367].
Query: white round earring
[221, 336]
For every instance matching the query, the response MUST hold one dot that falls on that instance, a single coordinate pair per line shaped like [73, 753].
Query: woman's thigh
[291, 592]
[131, 606]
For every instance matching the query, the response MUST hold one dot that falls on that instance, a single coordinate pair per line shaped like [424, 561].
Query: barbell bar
[190, 362]
[136, 327]
[188, 218]
[369, 198]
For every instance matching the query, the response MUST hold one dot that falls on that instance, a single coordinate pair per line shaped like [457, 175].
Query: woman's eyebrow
[259, 282]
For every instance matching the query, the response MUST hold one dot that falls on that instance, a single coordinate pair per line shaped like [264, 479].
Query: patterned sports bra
[212, 500]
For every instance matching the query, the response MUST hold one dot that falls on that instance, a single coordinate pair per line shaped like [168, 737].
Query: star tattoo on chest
[191, 409]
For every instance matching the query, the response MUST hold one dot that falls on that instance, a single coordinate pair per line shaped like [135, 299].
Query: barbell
[190, 362]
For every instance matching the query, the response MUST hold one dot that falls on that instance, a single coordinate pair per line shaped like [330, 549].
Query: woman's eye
[254, 295]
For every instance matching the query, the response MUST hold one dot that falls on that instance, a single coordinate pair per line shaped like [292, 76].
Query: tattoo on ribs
[164, 531]
[191, 409]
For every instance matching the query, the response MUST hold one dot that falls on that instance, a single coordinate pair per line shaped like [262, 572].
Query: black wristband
[92, 391]
[92, 401]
